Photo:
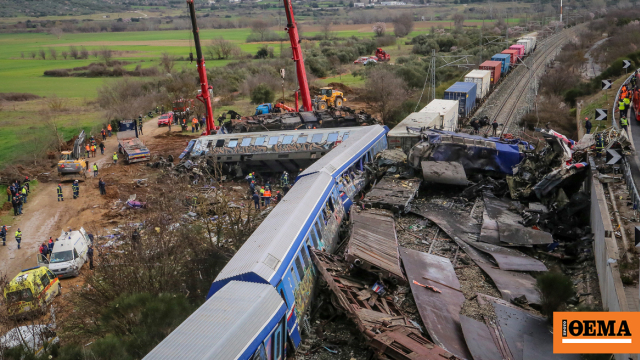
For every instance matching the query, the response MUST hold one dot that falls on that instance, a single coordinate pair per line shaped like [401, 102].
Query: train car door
[286, 289]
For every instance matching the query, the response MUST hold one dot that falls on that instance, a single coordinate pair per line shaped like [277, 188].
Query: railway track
[506, 108]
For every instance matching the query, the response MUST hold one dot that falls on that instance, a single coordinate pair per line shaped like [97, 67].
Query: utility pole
[433, 74]
[560, 11]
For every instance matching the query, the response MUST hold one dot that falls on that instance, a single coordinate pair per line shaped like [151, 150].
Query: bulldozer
[71, 165]
[328, 98]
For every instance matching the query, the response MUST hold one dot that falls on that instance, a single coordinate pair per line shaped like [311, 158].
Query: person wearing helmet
[3, 234]
[115, 157]
[76, 189]
[60, 197]
[18, 237]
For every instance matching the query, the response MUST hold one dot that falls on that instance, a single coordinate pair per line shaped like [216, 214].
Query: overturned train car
[275, 261]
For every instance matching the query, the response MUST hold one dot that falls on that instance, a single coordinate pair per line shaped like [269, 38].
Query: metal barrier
[631, 185]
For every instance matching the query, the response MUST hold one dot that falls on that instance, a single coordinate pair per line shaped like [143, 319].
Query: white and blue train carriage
[242, 321]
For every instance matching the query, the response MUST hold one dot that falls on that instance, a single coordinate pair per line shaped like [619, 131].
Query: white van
[69, 254]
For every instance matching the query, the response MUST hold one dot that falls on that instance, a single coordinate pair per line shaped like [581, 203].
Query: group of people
[476, 125]
[18, 193]
[46, 248]
[262, 195]
[3, 235]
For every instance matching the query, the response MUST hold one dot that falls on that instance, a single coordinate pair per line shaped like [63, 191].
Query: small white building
[355, 5]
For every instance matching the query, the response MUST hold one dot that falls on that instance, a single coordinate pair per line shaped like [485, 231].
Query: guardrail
[631, 185]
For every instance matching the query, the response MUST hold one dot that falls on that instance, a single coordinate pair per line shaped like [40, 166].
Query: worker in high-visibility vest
[621, 107]
[115, 157]
[109, 129]
[95, 170]
[624, 123]
[76, 189]
[60, 197]
[18, 237]
[627, 104]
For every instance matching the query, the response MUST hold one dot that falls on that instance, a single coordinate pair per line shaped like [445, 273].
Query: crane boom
[202, 72]
[297, 56]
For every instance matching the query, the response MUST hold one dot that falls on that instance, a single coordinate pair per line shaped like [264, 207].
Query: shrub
[262, 94]
[555, 289]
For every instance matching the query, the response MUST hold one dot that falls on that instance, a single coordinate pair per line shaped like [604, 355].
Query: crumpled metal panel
[373, 245]
[444, 172]
[509, 227]
[393, 194]
[520, 235]
[510, 259]
[402, 343]
[439, 311]
[479, 340]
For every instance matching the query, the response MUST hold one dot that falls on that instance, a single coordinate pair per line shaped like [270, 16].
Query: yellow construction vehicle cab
[329, 98]
[30, 292]
[72, 165]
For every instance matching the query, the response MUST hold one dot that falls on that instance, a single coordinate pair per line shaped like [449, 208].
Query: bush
[318, 66]
[262, 94]
[555, 289]
[385, 40]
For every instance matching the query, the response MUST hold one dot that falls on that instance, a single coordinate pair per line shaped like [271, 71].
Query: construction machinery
[129, 145]
[182, 109]
[268, 108]
[205, 95]
[328, 98]
[72, 165]
[382, 55]
[296, 51]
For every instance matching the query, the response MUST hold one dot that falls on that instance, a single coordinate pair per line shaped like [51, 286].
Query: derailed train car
[275, 260]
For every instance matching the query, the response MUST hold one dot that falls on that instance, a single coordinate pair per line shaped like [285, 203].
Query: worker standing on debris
[284, 180]
[115, 157]
[476, 126]
[494, 125]
[76, 189]
[624, 123]
[109, 129]
[95, 169]
[60, 197]
[587, 125]
[252, 187]
[599, 144]
[90, 256]
[256, 200]
[278, 196]
[101, 148]
[3, 235]
[267, 197]
[102, 186]
[262, 195]
[18, 237]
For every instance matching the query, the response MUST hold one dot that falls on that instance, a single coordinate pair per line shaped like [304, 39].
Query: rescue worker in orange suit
[109, 129]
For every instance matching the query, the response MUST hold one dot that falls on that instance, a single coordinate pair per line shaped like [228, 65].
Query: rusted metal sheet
[515, 325]
[390, 334]
[373, 245]
[520, 235]
[510, 259]
[444, 172]
[402, 343]
[393, 194]
[479, 340]
[489, 232]
[439, 311]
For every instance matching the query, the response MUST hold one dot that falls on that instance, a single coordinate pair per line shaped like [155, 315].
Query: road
[44, 216]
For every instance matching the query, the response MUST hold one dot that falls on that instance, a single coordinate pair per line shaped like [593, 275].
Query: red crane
[202, 72]
[297, 57]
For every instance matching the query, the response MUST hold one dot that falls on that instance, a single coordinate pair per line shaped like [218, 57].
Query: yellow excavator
[72, 165]
[329, 98]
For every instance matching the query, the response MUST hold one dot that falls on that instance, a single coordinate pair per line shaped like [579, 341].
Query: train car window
[321, 220]
[283, 298]
[220, 143]
[279, 341]
[314, 238]
[268, 345]
[273, 140]
[246, 142]
[317, 227]
[332, 137]
[260, 354]
[305, 257]
[295, 278]
[260, 141]
[330, 202]
[287, 139]
[316, 138]
[345, 136]
[233, 143]
[299, 268]
[301, 139]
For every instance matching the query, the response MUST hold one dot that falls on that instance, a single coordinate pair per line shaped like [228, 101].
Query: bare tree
[221, 49]
[33, 54]
[84, 53]
[458, 21]
[325, 28]
[167, 62]
[53, 53]
[106, 54]
[65, 55]
[56, 31]
[385, 91]
[73, 51]
[43, 54]
[403, 24]
[379, 28]
[260, 27]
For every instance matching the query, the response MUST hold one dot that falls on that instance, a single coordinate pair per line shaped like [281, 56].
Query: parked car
[30, 292]
[36, 338]
[165, 119]
[68, 255]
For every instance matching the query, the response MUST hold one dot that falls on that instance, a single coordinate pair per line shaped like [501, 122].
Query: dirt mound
[342, 87]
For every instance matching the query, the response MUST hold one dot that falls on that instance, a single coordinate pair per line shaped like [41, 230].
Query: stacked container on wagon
[482, 78]
[465, 93]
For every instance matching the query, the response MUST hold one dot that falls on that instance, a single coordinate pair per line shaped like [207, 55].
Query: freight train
[259, 302]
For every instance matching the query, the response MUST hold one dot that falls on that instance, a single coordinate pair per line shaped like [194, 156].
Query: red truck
[382, 55]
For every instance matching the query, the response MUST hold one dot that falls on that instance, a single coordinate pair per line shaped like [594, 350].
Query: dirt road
[44, 216]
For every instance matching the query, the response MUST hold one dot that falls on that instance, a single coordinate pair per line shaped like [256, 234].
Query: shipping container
[520, 49]
[482, 78]
[448, 110]
[402, 138]
[495, 68]
[505, 59]
[527, 45]
[465, 93]
[532, 37]
[513, 54]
